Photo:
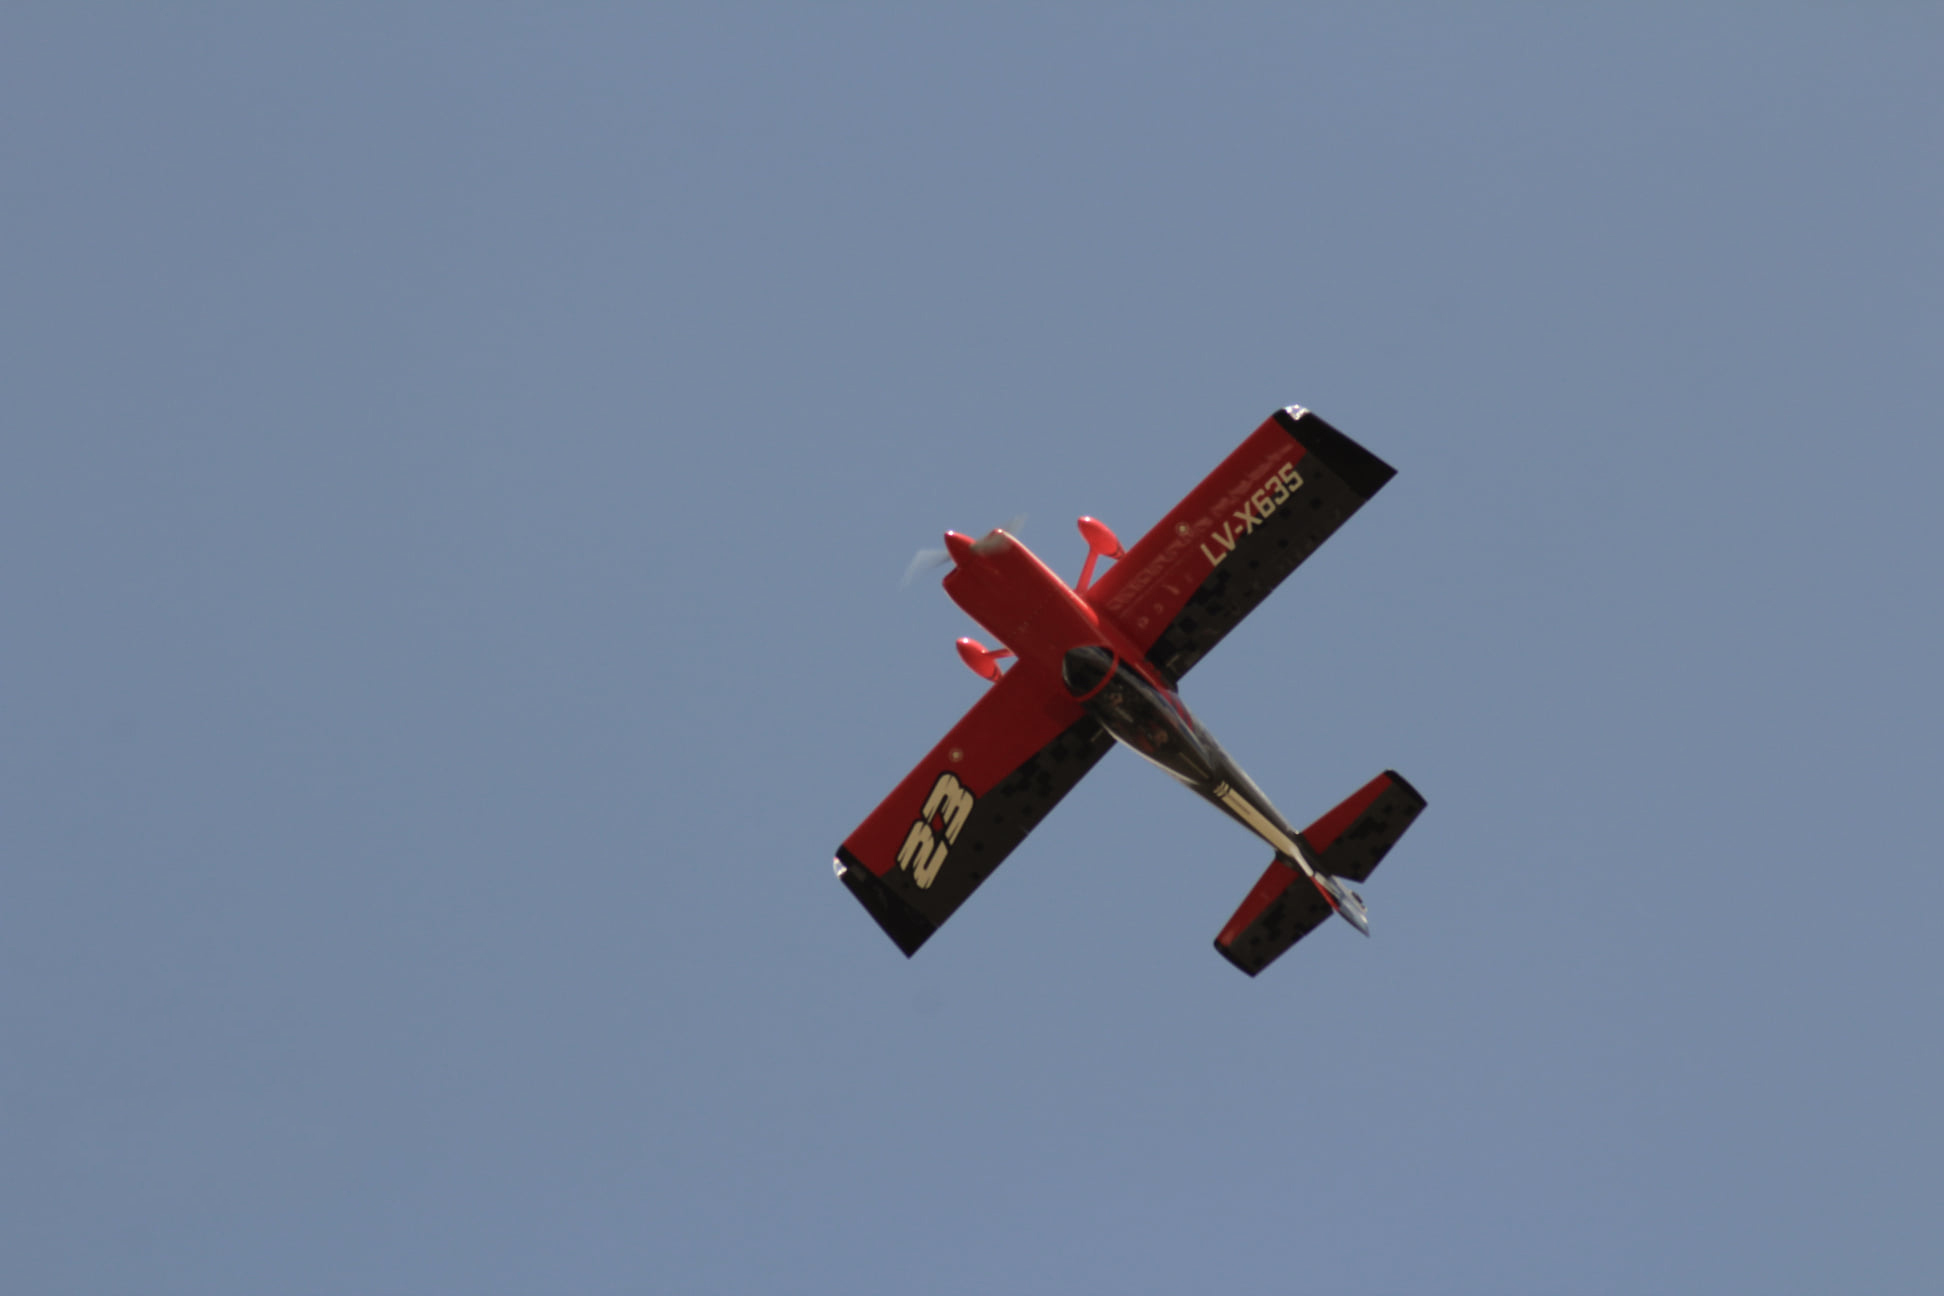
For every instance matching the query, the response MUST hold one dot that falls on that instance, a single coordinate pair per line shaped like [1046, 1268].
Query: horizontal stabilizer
[1352, 839]
[1349, 842]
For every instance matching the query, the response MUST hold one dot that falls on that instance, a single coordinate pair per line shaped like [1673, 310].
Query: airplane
[1100, 662]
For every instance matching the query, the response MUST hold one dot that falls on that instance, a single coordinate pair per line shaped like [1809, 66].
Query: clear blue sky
[456, 464]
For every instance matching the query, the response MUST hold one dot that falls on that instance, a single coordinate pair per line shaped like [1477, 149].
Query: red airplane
[1100, 662]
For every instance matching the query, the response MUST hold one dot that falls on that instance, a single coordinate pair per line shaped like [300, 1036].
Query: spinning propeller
[929, 559]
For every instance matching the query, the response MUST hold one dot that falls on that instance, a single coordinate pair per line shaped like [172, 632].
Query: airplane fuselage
[1003, 586]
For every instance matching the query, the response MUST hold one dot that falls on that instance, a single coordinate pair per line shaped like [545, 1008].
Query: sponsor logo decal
[945, 812]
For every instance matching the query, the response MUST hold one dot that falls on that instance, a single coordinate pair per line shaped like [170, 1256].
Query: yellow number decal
[922, 854]
[949, 797]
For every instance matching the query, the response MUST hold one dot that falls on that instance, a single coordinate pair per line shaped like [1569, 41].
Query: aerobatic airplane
[1100, 662]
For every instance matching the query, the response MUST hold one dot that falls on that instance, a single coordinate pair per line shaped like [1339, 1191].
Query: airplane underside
[1100, 662]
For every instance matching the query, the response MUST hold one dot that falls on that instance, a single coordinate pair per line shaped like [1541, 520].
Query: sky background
[456, 464]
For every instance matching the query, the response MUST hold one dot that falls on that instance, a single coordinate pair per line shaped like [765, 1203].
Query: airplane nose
[959, 546]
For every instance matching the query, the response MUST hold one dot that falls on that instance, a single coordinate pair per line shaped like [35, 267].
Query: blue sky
[458, 463]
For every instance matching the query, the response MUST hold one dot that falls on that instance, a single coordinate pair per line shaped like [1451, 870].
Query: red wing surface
[974, 798]
[1208, 563]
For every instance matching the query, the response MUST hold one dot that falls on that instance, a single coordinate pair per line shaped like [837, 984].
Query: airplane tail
[1345, 845]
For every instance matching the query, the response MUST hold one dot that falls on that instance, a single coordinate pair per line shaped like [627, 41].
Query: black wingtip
[1360, 470]
[1399, 781]
[907, 929]
[1229, 954]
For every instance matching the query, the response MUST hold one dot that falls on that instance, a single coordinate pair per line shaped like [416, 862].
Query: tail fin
[1348, 842]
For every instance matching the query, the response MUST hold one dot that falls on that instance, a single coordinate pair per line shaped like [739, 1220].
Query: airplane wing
[1206, 565]
[970, 801]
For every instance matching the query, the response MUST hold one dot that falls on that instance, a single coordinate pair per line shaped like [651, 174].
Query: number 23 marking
[923, 854]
